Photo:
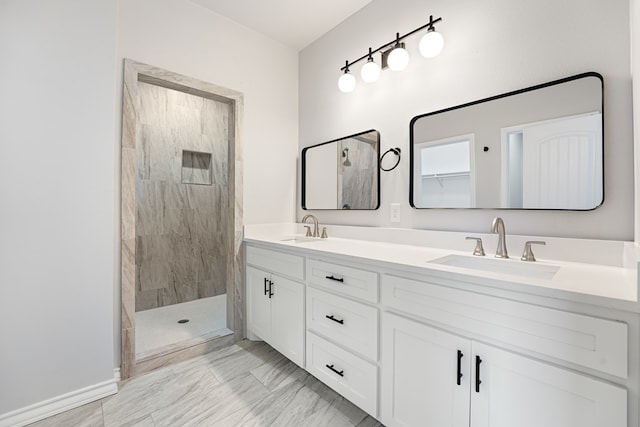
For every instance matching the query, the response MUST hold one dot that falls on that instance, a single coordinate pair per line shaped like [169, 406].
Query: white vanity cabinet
[421, 347]
[457, 379]
[431, 377]
[275, 304]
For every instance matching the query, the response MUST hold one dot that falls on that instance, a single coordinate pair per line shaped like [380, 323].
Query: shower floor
[158, 331]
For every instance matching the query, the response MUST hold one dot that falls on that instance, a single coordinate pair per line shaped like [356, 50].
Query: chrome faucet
[497, 226]
[315, 224]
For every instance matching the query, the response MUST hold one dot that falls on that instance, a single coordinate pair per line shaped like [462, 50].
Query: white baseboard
[116, 374]
[47, 408]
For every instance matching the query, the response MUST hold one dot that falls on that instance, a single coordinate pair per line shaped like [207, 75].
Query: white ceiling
[296, 23]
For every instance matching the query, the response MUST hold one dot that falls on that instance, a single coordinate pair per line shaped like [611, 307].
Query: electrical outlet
[395, 212]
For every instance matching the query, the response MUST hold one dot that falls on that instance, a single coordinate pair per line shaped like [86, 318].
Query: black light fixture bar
[393, 42]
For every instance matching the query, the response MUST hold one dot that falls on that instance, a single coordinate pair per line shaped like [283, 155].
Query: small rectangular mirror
[343, 173]
[535, 148]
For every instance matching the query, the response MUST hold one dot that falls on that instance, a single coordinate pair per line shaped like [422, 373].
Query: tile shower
[183, 227]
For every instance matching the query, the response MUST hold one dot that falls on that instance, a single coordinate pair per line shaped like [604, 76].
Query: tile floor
[158, 329]
[247, 384]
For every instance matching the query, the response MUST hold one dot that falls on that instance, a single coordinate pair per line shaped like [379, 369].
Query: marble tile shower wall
[183, 237]
[359, 190]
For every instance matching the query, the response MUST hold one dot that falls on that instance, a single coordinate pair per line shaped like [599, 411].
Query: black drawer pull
[336, 279]
[341, 373]
[270, 288]
[478, 382]
[460, 355]
[266, 290]
[341, 321]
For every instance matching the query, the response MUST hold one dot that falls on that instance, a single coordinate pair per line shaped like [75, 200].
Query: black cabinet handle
[478, 382]
[341, 321]
[270, 289]
[266, 291]
[341, 373]
[336, 279]
[460, 355]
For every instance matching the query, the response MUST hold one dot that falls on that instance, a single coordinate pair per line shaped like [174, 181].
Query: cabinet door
[258, 303]
[518, 391]
[288, 318]
[420, 375]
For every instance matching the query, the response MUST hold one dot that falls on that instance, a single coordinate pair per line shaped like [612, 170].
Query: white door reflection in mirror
[447, 173]
[555, 163]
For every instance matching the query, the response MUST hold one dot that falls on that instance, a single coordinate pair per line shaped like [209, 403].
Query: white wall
[183, 37]
[491, 47]
[57, 106]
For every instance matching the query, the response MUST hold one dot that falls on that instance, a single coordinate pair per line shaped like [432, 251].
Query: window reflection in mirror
[536, 148]
[342, 174]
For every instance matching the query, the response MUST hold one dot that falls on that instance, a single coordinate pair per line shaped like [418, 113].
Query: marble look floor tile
[245, 384]
[253, 355]
[141, 396]
[264, 412]
[144, 422]
[370, 422]
[202, 406]
[89, 415]
[335, 403]
[279, 372]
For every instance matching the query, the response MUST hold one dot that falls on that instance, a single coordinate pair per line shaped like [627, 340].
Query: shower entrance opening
[181, 199]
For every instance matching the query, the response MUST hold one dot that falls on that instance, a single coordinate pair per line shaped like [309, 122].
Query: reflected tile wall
[359, 180]
[183, 240]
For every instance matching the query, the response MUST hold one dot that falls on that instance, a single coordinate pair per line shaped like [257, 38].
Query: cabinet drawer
[276, 262]
[346, 280]
[346, 322]
[349, 375]
[584, 340]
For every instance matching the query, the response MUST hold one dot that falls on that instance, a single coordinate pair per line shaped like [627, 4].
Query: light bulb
[347, 82]
[431, 44]
[398, 59]
[370, 71]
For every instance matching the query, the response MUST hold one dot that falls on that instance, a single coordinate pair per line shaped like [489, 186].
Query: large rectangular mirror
[342, 173]
[535, 148]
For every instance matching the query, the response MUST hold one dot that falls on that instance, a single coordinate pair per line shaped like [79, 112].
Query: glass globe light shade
[347, 83]
[370, 72]
[398, 59]
[431, 44]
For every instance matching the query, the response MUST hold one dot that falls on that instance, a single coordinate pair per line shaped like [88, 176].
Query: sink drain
[183, 320]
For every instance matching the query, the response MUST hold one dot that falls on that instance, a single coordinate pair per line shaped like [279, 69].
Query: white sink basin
[511, 267]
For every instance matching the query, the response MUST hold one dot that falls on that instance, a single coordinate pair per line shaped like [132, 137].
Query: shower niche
[196, 168]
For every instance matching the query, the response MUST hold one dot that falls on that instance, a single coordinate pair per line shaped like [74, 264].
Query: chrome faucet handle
[527, 255]
[478, 250]
[308, 227]
[324, 233]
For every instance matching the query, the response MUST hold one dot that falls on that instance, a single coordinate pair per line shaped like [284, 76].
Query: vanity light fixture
[398, 58]
[347, 82]
[394, 56]
[370, 71]
[431, 44]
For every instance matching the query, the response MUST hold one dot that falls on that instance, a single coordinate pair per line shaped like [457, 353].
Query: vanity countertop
[609, 284]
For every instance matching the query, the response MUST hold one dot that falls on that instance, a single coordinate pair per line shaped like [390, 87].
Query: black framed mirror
[342, 174]
[536, 148]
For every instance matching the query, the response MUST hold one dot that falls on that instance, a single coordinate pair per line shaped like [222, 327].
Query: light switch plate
[395, 212]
